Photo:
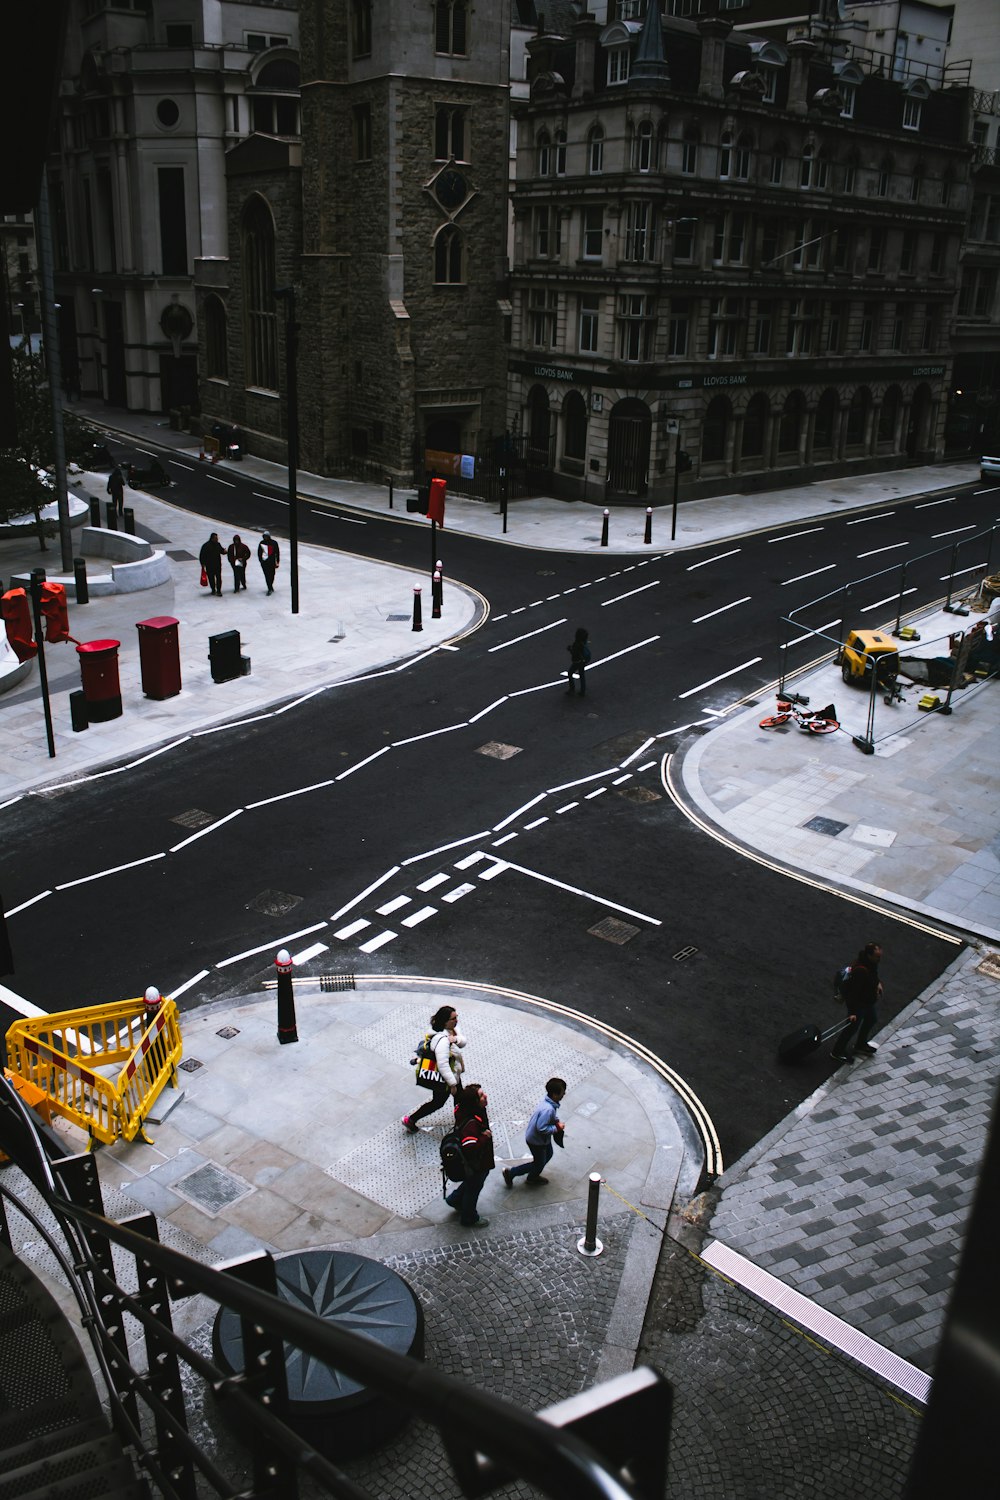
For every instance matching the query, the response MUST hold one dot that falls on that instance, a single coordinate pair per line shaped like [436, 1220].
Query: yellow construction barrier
[59, 1056]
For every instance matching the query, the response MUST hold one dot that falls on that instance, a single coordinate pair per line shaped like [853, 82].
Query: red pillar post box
[99, 677]
[160, 656]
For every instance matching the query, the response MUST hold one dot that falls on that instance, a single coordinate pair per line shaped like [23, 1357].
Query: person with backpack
[474, 1139]
[579, 658]
[445, 1043]
[544, 1129]
[860, 989]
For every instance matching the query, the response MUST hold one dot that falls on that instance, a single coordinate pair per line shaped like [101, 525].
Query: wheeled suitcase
[799, 1044]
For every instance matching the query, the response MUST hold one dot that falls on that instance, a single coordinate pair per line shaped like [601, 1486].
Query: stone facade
[738, 249]
[402, 336]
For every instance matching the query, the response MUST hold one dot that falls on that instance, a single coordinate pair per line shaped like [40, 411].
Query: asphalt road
[711, 968]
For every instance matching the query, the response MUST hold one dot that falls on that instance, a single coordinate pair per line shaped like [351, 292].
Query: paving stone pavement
[859, 1199]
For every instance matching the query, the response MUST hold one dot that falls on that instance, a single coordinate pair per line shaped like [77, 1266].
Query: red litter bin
[159, 656]
[99, 675]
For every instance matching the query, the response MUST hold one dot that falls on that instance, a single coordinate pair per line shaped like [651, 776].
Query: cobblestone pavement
[761, 1411]
[859, 1200]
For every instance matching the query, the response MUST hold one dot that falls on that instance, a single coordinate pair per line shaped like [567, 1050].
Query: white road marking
[567, 786]
[202, 831]
[18, 1004]
[649, 764]
[272, 946]
[499, 617]
[632, 592]
[721, 610]
[878, 516]
[395, 904]
[536, 824]
[520, 609]
[496, 869]
[549, 598]
[706, 560]
[535, 603]
[352, 928]
[431, 734]
[283, 796]
[10, 801]
[531, 633]
[619, 779]
[230, 482]
[471, 838]
[261, 496]
[973, 568]
[470, 859]
[435, 880]
[526, 808]
[484, 711]
[811, 635]
[189, 984]
[415, 918]
[938, 534]
[598, 792]
[361, 764]
[800, 576]
[178, 465]
[623, 652]
[115, 870]
[30, 902]
[505, 840]
[928, 503]
[297, 702]
[329, 515]
[721, 677]
[892, 547]
[568, 807]
[459, 891]
[890, 599]
[357, 900]
[575, 890]
[308, 953]
[377, 942]
[641, 751]
[791, 535]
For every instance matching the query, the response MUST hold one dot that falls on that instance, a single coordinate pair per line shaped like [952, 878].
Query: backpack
[455, 1164]
[841, 983]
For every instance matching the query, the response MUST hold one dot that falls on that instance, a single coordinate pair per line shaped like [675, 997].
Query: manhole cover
[640, 794]
[684, 953]
[829, 826]
[212, 1188]
[273, 903]
[397, 617]
[228, 1032]
[190, 1065]
[498, 751]
[990, 966]
[193, 818]
[613, 930]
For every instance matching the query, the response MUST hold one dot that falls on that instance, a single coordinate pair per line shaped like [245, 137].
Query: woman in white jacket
[446, 1041]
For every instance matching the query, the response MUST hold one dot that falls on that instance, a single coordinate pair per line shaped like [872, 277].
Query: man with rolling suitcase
[861, 991]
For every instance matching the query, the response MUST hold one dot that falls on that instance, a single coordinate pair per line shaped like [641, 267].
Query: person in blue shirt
[544, 1128]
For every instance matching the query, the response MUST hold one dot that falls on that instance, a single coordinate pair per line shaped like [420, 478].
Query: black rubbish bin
[224, 656]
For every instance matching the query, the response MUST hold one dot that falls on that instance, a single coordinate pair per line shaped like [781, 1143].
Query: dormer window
[618, 66]
[913, 102]
[768, 60]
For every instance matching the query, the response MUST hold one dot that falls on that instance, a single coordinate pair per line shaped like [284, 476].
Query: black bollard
[95, 511]
[604, 530]
[649, 525]
[590, 1244]
[80, 578]
[111, 514]
[436, 596]
[390, 492]
[418, 619]
[128, 515]
[287, 1031]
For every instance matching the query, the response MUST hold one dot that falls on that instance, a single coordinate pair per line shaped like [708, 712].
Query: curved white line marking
[115, 870]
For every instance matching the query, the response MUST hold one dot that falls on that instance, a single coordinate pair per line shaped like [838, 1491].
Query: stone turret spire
[649, 64]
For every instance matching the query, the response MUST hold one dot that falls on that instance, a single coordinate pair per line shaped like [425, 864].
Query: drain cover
[498, 751]
[990, 966]
[228, 1031]
[190, 1065]
[273, 903]
[684, 953]
[613, 930]
[397, 617]
[212, 1188]
[193, 818]
[828, 826]
[640, 794]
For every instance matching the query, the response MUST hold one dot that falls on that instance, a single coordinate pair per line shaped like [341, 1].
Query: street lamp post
[287, 295]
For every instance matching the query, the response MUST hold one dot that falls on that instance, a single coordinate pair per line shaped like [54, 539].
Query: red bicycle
[812, 721]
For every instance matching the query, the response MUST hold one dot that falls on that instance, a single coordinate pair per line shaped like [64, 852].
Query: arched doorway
[629, 429]
[755, 427]
[918, 433]
[715, 430]
[539, 429]
[791, 427]
[887, 418]
[825, 425]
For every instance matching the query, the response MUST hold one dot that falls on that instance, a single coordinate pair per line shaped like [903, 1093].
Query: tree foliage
[22, 489]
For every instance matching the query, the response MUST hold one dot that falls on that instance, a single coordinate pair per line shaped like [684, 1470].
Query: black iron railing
[609, 1443]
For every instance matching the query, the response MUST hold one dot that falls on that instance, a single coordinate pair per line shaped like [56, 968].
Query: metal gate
[628, 454]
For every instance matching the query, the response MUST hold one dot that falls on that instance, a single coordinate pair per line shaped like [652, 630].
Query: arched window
[826, 416]
[451, 27]
[216, 347]
[543, 145]
[449, 266]
[574, 426]
[274, 98]
[595, 151]
[715, 430]
[260, 319]
[754, 426]
[857, 416]
[793, 417]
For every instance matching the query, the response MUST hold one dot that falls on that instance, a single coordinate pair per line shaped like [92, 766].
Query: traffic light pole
[677, 480]
[35, 591]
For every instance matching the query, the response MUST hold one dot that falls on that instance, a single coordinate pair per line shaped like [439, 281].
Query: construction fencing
[101, 1067]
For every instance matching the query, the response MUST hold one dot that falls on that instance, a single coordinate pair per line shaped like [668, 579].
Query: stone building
[154, 93]
[395, 245]
[737, 248]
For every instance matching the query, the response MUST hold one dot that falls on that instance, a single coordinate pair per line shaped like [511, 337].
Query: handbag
[204, 578]
[423, 1059]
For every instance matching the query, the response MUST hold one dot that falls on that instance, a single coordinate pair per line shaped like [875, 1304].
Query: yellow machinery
[868, 651]
[63, 1060]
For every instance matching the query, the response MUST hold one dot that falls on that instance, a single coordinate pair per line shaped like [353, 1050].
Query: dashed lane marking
[377, 942]
[352, 929]
[415, 918]
[393, 905]
[435, 880]
[457, 893]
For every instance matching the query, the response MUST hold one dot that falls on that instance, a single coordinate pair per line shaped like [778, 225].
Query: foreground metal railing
[610, 1442]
